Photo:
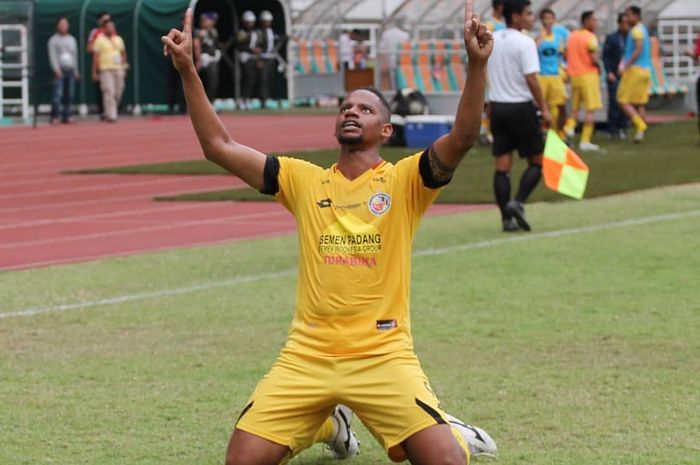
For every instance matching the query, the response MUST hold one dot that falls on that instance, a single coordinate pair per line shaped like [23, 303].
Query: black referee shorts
[516, 126]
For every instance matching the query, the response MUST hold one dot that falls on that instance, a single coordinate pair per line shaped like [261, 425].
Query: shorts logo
[379, 203]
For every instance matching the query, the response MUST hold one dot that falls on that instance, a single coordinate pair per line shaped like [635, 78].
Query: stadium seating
[660, 85]
[317, 57]
[431, 66]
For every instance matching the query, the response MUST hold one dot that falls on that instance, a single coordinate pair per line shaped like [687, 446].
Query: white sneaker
[478, 440]
[589, 147]
[345, 444]
[639, 137]
[568, 132]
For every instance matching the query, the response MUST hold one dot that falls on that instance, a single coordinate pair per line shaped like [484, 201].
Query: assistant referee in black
[516, 98]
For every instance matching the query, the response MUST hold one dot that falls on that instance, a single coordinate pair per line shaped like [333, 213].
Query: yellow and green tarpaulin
[563, 170]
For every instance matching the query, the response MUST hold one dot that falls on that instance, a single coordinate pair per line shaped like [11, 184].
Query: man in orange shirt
[584, 70]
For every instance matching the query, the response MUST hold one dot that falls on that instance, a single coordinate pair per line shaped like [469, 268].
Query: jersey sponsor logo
[349, 235]
[325, 203]
[384, 325]
[350, 260]
[379, 203]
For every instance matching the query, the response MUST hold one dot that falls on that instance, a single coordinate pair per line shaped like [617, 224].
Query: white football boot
[478, 440]
[345, 444]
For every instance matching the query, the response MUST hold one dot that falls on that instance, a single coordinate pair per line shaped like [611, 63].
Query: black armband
[427, 173]
[271, 185]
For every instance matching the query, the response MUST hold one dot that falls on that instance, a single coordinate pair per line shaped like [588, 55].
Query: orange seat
[332, 64]
[303, 66]
[424, 68]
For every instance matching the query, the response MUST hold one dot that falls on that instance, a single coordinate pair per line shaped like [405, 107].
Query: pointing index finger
[187, 28]
[468, 10]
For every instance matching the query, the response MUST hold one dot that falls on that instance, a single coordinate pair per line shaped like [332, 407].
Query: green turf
[669, 156]
[577, 349]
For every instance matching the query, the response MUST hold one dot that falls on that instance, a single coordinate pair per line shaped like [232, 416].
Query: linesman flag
[564, 171]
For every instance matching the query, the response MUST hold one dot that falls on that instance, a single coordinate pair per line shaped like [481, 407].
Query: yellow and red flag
[564, 171]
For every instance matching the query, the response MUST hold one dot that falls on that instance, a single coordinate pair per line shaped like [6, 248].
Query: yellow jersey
[355, 240]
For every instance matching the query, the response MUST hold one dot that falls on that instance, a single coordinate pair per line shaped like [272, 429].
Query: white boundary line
[419, 253]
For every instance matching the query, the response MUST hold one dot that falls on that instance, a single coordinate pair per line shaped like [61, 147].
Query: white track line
[419, 253]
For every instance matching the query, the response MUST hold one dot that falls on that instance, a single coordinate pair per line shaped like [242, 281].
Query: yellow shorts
[390, 394]
[634, 86]
[553, 90]
[585, 92]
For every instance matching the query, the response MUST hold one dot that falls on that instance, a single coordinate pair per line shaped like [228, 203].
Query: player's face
[526, 19]
[547, 20]
[632, 19]
[360, 120]
[592, 23]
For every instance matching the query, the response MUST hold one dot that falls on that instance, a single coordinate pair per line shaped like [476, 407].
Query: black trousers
[266, 69]
[249, 71]
[210, 79]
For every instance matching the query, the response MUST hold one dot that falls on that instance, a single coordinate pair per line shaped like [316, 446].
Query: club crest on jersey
[379, 203]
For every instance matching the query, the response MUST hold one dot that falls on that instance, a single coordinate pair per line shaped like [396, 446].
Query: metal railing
[14, 69]
[675, 37]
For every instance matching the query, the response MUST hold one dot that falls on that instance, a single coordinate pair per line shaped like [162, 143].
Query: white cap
[266, 16]
[248, 16]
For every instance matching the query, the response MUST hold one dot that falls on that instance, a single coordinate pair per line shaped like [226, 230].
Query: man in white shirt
[512, 74]
[391, 39]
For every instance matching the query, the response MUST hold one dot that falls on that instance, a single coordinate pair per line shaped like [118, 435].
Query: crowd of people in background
[566, 58]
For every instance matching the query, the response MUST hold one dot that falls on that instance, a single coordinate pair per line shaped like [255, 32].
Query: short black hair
[620, 17]
[496, 3]
[511, 7]
[60, 18]
[380, 96]
[101, 14]
[585, 16]
[636, 10]
[546, 11]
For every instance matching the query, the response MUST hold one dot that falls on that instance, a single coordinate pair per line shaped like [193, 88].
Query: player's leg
[285, 412]
[576, 97]
[504, 142]
[531, 147]
[628, 94]
[392, 396]
[592, 101]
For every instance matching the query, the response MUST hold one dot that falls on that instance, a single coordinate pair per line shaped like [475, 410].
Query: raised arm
[217, 144]
[447, 152]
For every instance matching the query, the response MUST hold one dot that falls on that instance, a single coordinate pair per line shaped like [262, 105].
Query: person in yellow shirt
[584, 71]
[350, 342]
[109, 65]
[633, 91]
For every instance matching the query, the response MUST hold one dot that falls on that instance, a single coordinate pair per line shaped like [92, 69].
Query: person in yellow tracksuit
[633, 91]
[584, 71]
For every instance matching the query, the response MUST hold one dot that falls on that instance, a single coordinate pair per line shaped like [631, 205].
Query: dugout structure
[141, 23]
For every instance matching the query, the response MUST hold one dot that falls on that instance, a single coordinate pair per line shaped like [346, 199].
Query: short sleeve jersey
[355, 240]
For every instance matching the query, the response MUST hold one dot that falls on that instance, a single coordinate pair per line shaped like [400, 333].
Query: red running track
[50, 218]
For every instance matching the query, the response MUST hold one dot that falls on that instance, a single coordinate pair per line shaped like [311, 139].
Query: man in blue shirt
[550, 48]
[613, 50]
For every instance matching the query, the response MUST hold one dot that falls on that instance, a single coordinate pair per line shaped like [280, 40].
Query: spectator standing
[248, 54]
[388, 51]
[635, 67]
[515, 95]
[695, 54]
[584, 70]
[613, 50]
[109, 66]
[63, 56]
[269, 45]
[102, 19]
[346, 46]
[210, 53]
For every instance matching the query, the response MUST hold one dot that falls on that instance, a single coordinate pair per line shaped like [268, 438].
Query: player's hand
[612, 77]
[178, 44]
[478, 40]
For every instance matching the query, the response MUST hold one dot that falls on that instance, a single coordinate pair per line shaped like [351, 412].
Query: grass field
[576, 344]
[669, 156]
